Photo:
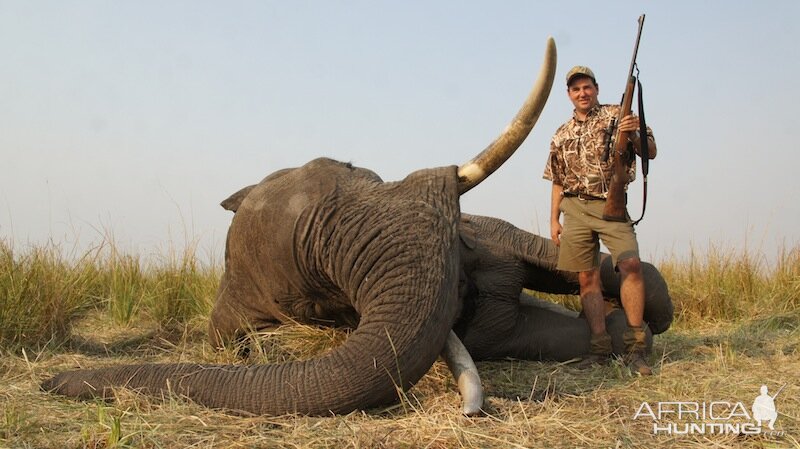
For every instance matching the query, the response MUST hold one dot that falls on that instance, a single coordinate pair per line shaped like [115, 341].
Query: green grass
[737, 326]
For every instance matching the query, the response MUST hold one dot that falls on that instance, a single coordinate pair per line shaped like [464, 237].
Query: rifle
[778, 392]
[622, 150]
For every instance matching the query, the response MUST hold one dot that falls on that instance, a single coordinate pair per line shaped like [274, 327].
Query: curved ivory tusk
[490, 159]
[466, 374]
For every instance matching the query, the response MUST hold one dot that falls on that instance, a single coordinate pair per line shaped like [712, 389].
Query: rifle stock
[615, 207]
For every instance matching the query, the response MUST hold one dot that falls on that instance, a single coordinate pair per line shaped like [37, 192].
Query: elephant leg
[466, 374]
[528, 333]
[548, 331]
[539, 330]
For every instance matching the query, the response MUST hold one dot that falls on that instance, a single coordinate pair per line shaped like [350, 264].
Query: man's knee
[631, 265]
[589, 281]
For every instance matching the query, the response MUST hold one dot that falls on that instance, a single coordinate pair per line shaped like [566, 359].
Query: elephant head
[329, 241]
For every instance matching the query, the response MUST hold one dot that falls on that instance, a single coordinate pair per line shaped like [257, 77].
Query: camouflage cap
[580, 70]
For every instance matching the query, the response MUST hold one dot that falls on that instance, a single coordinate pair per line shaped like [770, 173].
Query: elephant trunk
[341, 381]
[491, 158]
[405, 293]
[539, 254]
[386, 354]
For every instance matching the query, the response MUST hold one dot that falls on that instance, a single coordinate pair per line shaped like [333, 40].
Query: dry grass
[730, 337]
[44, 289]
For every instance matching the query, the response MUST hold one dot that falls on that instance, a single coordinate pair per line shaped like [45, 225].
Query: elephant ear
[233, 202]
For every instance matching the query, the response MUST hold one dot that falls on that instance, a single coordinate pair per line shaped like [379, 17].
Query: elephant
[499, 320]
[331, 243]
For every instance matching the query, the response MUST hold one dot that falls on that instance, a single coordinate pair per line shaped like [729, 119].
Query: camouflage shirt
[576, 150]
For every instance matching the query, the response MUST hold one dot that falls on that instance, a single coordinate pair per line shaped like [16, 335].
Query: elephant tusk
[490, 159]
[466, 374]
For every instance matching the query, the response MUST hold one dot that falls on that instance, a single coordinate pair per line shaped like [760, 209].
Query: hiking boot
[599, 352]
[635, 339]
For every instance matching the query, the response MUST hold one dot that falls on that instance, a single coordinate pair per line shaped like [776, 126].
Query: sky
[133, 120]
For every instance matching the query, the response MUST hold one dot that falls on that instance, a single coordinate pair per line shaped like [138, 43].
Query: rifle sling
[644, 149]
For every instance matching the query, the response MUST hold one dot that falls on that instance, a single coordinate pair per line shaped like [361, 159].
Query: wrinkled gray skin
[498, 320]
[498, 260]
[325, 241]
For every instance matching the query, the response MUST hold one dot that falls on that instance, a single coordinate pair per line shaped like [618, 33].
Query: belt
[582, 196]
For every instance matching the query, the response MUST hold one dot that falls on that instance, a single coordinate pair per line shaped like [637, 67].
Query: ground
[529, 404]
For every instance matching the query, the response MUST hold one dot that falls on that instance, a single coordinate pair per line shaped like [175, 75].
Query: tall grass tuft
[40, 293]
[43, 291]
[181, 288]
[729, 285]
[123, 285]
[785, 281]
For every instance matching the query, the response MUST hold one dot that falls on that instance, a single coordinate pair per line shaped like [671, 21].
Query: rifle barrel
[778, 392]
[636, 46]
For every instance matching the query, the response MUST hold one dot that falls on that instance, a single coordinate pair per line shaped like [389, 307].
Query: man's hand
[555, 232]
[629, 123]
[556, 196]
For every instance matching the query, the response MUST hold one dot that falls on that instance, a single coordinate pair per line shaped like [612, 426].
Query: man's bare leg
[632, 290]
[595, 312]
[592, 300]
[632, 295]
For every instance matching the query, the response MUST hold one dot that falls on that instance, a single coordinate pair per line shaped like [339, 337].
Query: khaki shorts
[584, 227]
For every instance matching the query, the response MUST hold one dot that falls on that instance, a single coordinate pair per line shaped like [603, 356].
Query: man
[580, 187]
